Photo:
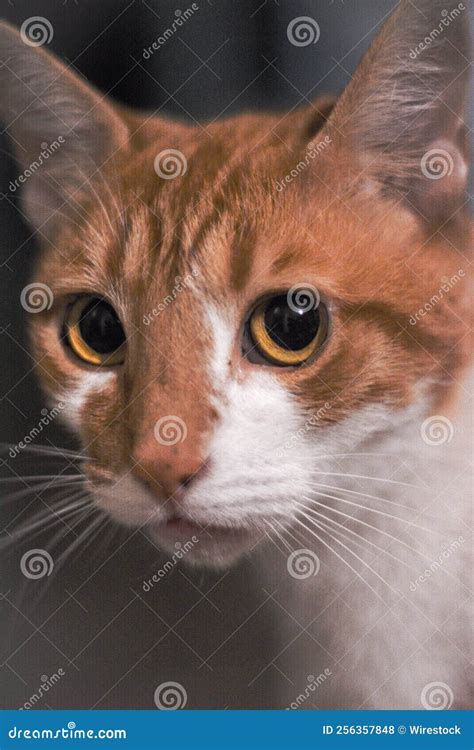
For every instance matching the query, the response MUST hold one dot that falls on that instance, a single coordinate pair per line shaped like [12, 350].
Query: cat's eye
[285, 330]
[93, 331]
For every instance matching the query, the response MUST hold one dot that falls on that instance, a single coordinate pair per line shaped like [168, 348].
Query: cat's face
[204, 429]
[218, 336]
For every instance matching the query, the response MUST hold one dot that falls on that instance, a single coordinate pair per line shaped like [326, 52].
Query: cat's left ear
[62, 130]
[401, 116]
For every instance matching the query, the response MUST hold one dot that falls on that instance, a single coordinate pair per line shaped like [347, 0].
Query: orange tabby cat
[245, 319]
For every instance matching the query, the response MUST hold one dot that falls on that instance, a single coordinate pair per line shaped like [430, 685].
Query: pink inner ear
[443, 172]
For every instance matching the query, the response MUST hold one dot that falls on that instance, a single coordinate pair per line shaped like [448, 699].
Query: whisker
[85, 535]
[47, 477]
[364, 523]
[362, 494]
[378, 512]
[373, 479]
[331, 549]
[278, 535]
[45, 519]
[354, 533]
[106, 538]
[361, 560]
[38, 489]
[50, 449]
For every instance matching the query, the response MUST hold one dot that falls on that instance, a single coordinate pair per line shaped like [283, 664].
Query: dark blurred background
[230, 56]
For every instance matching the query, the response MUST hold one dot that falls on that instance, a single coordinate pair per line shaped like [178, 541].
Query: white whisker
[368, 525]
[362, 476]
[356, 572]
[361, 560]
[361, 494]
[377, 511]
[354, 533]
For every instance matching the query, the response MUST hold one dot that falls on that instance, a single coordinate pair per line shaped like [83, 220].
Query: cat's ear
[62, 130]
[401, 116]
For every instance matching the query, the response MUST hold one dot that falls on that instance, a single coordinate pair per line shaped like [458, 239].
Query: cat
[258, 328]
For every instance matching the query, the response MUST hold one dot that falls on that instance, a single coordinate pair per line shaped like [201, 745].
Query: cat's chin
[207, 547]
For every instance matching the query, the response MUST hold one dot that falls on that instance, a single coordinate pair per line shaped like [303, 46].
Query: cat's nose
[168, 473]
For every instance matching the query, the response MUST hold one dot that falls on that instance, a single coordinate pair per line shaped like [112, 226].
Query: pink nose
[168, 470]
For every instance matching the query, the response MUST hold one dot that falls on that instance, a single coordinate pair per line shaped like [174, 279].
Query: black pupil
[292, 329]
[100, 327]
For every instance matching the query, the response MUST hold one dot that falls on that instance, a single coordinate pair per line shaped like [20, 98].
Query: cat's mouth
[190, 535]
[207, 544]
[178, 525]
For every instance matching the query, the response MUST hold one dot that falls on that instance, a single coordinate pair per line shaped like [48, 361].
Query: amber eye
[286, 329]
[94, 332]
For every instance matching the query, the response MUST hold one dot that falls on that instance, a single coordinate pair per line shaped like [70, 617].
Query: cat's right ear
[61, 129]
[401, 117]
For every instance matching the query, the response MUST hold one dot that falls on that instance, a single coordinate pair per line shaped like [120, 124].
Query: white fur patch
[223, 326]
[253, 472]
[128, 502]
[76, 397]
